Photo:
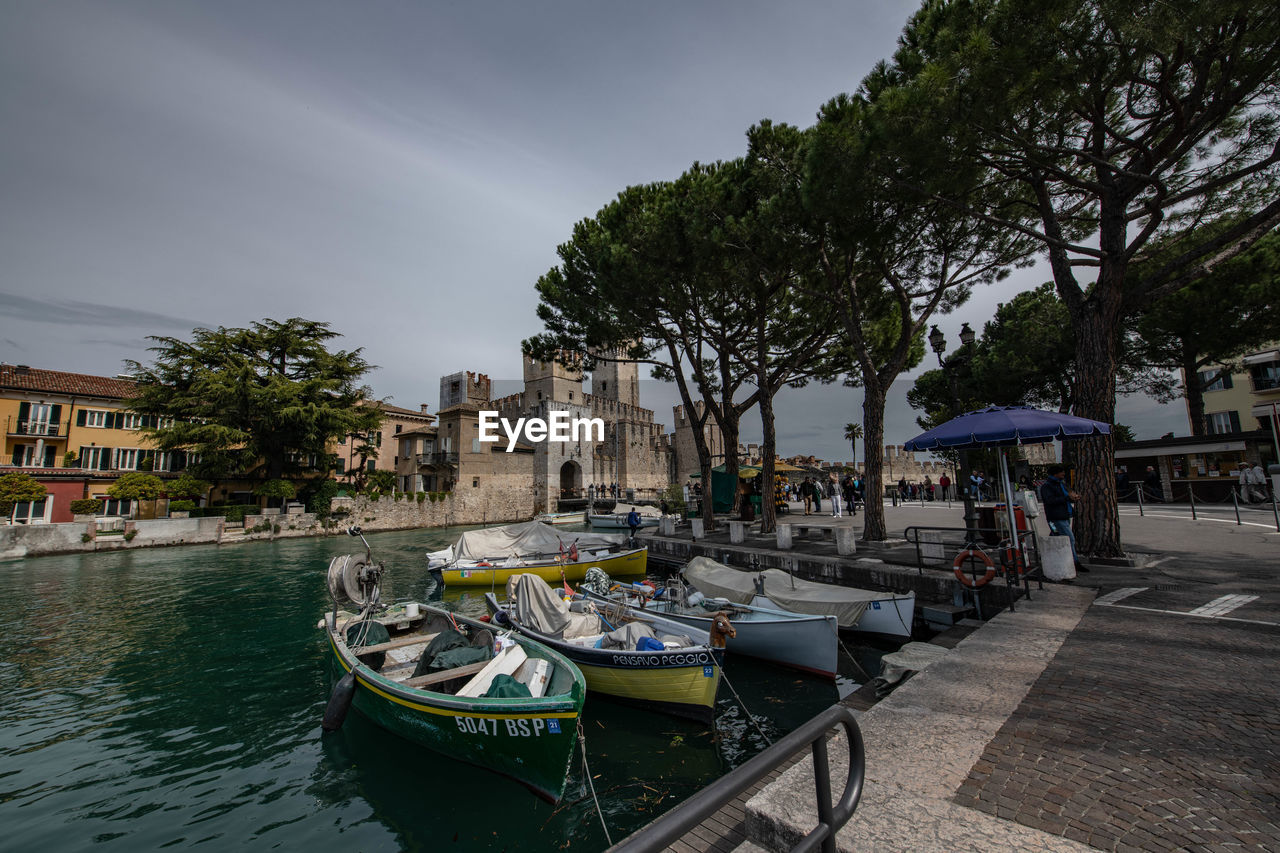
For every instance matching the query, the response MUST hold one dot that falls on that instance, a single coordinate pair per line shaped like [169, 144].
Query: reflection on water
[173, 697]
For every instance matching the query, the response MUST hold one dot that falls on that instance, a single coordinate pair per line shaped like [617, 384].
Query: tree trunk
[1193, 391]
[1097, 523]
[768, 512]
[873, 401]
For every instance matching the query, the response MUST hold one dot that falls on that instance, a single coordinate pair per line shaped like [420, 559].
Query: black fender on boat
[335, 713]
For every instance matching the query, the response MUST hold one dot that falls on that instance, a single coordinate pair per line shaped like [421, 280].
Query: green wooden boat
[515, 712]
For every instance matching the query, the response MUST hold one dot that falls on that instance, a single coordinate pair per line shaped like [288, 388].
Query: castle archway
[570, 479]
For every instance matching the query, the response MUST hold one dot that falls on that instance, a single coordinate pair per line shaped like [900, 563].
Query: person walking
[1058, 509]
[806, 494]
[944, 483]
[1258, 480]
[833, 492]
[633, 523]
[850, 496]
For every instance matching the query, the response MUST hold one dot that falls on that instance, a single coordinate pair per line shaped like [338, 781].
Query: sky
[401, 170]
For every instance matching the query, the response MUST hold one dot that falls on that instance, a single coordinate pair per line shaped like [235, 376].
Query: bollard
[1235, 499]
[697, 525]
[784, 537]
[1192, 494]
[1141, 509]
[846, 541]
[737, 532]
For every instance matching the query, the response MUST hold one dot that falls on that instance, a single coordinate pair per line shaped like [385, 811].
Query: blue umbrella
[997, 426]
[1004, 425]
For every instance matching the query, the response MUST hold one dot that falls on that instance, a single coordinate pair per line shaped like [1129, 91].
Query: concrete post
[737, 532]
[1055, 551]
[931, 545]
[698, 526]
[666, 526]
[846, 541]
[784, 537]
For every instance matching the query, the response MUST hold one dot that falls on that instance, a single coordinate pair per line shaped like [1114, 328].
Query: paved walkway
[1148, 731]
[1147, 719]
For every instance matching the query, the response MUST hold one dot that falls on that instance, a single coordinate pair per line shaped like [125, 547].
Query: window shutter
[104, 459]
[80, 416]
[24, 412]
[17, 456]
[1235, 420]
[55, 417]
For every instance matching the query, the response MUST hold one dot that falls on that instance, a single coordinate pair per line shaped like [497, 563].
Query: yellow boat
[677, 673]
[490, 556]
[632, 562]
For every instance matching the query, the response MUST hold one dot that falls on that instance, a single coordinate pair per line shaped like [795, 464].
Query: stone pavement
[1147, 731]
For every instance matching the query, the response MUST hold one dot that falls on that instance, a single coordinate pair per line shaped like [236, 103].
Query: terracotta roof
[25, 378]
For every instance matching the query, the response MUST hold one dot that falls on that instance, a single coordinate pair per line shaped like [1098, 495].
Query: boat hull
[799, 641]
[890, 616]
[623, 563]
[529, 740]
[618, 522]
[562, 518]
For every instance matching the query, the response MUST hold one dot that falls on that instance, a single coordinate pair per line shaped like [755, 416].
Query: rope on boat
[586, 771]
[855, 660]
[750, 716]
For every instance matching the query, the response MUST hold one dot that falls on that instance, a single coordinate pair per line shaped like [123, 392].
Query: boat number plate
[875, 605]
[511, 728]
[706, 671]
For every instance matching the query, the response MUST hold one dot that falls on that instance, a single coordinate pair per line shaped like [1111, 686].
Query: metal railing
[675, 824]
[42, 429]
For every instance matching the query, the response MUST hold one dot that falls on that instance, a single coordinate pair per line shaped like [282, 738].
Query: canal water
[172, 697]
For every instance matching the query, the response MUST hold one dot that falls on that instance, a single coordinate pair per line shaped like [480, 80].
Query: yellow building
[71, 432]
[1248, 399]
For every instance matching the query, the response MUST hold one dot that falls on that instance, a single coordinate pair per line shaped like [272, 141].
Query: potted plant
[85, 509]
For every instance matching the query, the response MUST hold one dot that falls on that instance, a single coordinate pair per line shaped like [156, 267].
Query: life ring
[973, 583]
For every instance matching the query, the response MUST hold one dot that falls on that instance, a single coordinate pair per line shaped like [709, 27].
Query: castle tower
[546, 381]
[616, 380]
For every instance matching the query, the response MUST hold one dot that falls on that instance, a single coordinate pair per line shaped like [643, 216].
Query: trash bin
[987, 523]
[1020, 517]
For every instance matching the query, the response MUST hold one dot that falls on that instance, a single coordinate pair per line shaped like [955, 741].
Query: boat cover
[716, 580]
[538, 606]
[527, 539]
[624, 509]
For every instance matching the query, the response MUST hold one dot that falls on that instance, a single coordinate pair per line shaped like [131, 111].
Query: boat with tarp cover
[458, 686]
[616, 518]
[492, 555]
[797, 640]
[862, 610]
[635, 657]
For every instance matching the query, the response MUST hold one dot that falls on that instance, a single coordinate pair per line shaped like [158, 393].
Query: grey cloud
[75, 312]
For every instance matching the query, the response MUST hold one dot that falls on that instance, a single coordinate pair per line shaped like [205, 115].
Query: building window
[570, 396]
[399, 427]
[126, 459]
[604, 386]
[112, 506]
[130, 420]
[95, 418]
[95, 458]
[31, 512]
[1222, 383]
[1217, 423]
[475, 483]
[1265, 376]
[341, 467]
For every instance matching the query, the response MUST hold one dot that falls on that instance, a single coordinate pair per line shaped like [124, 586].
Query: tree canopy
[17, 487]
[136, 486]
[270, 396]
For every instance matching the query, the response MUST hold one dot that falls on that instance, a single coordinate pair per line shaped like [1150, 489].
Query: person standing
[806, 494]
[944, 483]
[1259, 482]
[1057, 500]
[633, 523]
[850, 501]
[833, 492]
[1151, 485]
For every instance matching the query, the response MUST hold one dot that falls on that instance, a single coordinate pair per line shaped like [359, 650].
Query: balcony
[40, 429]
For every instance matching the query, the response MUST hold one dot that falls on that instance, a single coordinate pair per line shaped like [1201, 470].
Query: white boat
[616, 518]
[489, 556]
[562, 517]
[862, 610]
[797, 640]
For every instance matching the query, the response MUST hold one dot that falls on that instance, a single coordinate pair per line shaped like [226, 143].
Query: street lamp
[938, 343]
